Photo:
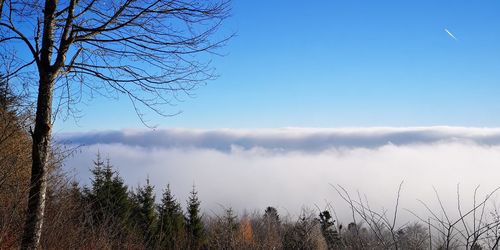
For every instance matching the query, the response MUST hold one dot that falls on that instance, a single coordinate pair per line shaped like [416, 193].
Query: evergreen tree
[271, 215]
[230, 220]
[328, 230]
[272, 229]
[108, 196]
[144, 212]
[194, 223]
[171, 223]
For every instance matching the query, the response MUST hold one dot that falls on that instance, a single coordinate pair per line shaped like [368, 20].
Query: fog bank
[255, 169]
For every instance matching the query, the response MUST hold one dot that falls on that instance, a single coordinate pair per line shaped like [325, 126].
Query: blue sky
[340, 64]
[323, 64]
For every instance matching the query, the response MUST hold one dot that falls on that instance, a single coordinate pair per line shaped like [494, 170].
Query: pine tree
[272, 229]
[171, 222]
[144, 213]
[328, 230]
[108, 196]
[230, 220]
[271, 214]
[194, 223]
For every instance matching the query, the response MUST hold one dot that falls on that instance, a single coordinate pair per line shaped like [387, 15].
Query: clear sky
[340, 64]
[326, 64]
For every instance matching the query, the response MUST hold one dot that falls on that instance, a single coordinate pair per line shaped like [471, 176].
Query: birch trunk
[41, 134]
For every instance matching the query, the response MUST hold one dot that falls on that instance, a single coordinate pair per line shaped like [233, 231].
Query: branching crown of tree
[143, 49]
[148, 50]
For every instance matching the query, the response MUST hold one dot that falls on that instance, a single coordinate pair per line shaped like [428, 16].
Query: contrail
[449, 33]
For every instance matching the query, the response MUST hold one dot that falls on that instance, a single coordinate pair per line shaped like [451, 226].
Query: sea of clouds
[293, 168]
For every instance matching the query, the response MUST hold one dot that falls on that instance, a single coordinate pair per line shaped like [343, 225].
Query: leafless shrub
[471, 229]
[305, 233]
[224, 231]
[268, 230]
[382, 231]
[413, 237]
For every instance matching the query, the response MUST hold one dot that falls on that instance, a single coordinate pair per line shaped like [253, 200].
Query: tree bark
[1, 7]
[40, 154]
[42, 134]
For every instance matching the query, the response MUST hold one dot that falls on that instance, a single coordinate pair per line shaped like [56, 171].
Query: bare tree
[384, 229]
[469, 229]
[144, 49]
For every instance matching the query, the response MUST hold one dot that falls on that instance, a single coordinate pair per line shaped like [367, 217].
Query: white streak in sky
[449, 33]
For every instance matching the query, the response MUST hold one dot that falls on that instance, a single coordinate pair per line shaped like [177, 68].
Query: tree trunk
[40, 154]
[42, 133]
[1, 6]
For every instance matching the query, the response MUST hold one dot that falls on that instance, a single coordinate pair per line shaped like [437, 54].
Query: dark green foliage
[144, 213]
[329, 230]
[108, 196]
[194, 224]
[171, 221]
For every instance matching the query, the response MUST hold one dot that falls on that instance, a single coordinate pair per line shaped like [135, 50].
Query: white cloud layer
[286, 139]
[292, 168]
